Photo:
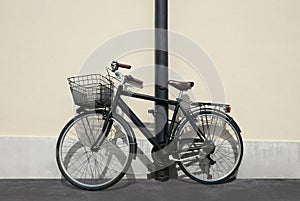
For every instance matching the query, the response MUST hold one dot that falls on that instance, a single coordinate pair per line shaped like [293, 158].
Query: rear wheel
[88, 168]
[215, 160]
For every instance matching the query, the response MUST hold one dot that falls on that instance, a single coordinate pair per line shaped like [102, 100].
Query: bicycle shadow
[128, 179]
[124, 183]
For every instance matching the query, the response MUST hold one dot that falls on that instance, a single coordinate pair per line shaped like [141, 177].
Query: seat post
[180, 94]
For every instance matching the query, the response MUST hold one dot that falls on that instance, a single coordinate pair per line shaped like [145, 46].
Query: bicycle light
[227, 108]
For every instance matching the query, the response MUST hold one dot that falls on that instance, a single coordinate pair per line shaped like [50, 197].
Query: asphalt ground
[151, 190]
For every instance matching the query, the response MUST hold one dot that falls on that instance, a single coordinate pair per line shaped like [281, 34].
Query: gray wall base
[34, 157]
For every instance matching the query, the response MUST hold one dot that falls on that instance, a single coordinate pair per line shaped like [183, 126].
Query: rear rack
[203, 106]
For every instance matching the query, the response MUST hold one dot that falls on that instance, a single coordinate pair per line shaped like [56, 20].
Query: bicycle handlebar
[125, 78]
[115, 65]
[124, 66]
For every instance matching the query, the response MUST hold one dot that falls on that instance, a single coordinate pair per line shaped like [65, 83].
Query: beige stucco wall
[254, 45]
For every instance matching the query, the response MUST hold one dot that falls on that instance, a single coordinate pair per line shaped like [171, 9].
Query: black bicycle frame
[141, 126]
[124, 107]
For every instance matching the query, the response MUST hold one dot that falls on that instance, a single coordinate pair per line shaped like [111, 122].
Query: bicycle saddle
[182, 86]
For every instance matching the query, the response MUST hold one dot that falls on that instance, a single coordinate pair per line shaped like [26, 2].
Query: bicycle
[95, 148]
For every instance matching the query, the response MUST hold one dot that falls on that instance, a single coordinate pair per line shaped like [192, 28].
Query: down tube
[138, 123]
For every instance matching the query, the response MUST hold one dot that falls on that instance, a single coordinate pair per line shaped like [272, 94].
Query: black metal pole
[161, 75]
[161, 65]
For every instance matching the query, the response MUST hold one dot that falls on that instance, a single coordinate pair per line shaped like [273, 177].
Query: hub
[207, 148]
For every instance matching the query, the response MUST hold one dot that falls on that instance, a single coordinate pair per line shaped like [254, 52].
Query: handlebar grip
[124, 65]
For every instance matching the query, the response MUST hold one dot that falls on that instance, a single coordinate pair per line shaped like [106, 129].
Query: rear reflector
[228, 109]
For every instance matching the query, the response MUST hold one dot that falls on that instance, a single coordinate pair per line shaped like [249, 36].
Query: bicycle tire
[74, 148]
[211, 173]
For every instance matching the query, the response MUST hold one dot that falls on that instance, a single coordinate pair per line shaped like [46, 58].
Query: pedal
[182, 160]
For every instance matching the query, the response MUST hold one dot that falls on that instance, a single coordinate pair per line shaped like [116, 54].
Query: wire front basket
[91, 91]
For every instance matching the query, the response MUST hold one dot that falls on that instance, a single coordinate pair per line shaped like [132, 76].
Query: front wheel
[88, 168]
[217, 158]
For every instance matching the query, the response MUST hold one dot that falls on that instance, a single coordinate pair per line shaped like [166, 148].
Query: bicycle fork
[103, 133]
[107, 123]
